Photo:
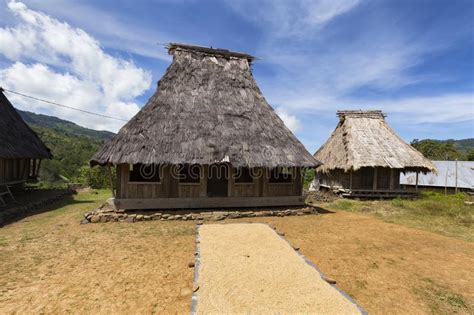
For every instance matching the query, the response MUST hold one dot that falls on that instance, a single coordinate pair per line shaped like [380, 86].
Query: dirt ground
[387, 268]
[51, 264]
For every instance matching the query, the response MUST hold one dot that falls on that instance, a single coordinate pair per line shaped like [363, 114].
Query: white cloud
[447, 108]
[89, 79]
[114, 31]
[292, 18]
[290, 120]
[322, 56]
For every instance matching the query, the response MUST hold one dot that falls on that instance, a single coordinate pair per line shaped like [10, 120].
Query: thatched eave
[364, 139]
[207, 109]
[17, 139]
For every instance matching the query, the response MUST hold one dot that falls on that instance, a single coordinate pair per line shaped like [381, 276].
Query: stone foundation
[106, 213]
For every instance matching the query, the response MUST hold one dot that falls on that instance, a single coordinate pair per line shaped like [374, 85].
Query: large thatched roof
[17, 140]
[364, 139]
[207, 108]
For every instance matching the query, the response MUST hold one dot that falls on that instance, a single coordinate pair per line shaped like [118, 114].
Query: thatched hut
[206, 138]
[21, 150]
[364, 154]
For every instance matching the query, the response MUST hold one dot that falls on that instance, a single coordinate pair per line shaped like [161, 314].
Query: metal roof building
[446, 176]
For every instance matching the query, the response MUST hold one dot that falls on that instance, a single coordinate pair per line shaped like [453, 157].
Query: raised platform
[205, 203]
[369, 194]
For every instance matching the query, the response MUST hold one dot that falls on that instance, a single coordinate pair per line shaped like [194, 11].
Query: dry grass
[446, 215]
[385, 267]
[51, 264]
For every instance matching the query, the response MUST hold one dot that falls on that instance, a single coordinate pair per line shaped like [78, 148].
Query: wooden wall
[386, 178]
[14, 169]
[170, 187]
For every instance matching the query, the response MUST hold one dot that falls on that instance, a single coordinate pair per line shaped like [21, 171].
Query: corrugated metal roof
[446, 175]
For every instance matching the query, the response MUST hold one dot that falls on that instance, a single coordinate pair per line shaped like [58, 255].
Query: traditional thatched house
[364, 154]
[206, 138]
[21, 150]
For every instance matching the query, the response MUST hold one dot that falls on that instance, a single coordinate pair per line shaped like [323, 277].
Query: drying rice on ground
[248, 268]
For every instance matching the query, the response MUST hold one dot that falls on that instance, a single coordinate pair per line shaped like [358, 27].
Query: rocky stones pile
[105, 213]
[321, 196]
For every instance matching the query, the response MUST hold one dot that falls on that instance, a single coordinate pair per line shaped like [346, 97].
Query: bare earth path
[248, 268]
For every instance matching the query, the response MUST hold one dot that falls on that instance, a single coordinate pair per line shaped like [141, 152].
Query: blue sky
[414, 59]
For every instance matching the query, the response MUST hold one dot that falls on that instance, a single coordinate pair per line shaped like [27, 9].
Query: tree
[437, 150]
[470, 155]
[95, 177]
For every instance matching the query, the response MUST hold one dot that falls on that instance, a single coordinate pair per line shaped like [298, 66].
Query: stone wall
[105, 213]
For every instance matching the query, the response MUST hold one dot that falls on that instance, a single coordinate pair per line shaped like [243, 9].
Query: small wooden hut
[364, 156]
[21, 150]
[206, 138]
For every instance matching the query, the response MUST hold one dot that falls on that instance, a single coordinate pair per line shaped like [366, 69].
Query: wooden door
[218, 180]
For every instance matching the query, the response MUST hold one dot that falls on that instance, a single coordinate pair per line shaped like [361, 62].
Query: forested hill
[63, 126]
[72, 147]
[446, 149]
[463, 145]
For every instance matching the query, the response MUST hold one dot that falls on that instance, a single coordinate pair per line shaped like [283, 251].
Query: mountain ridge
[62, 125]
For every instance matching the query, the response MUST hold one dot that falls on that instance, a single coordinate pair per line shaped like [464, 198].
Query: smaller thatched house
[206, 138]
[364, 155]
[21, 150]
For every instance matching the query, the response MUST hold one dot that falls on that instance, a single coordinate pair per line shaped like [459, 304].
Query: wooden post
[350, 179]
[375, 179]
[416, 181]
[446, 182]
[33, 171]
[204, 172]
[265, 180]
[299, 181]
[456, 176]
[391, 185]
[111, 180]
[230, 180]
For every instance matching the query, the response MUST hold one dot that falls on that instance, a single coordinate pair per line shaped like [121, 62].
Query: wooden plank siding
[170, 187]
[383, 177]
[14, 169]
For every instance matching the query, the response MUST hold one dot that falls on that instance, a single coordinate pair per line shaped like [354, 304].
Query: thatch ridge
[364, 139]
[172, 47]
[17, 139]
[207, 109]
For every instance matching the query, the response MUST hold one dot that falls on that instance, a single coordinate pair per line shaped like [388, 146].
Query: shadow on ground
[36, 202]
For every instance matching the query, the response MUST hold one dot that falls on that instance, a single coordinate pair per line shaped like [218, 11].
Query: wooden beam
[219, 202]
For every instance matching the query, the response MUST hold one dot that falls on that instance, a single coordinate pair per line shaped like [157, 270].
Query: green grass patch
[344, 204]
[3, 241]
[441, 300]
